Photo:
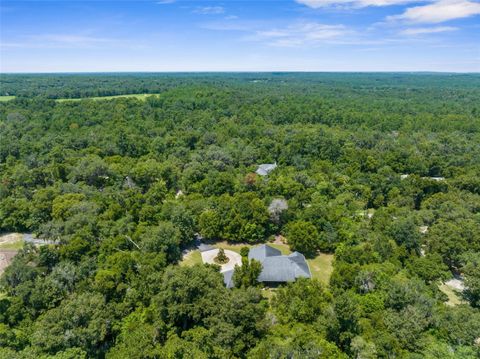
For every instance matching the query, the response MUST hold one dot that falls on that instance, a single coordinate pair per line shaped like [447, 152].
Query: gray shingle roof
[277, 267]
[259, 253]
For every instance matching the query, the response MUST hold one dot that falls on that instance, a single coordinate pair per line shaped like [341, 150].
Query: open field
[142, 96]
[6, 98]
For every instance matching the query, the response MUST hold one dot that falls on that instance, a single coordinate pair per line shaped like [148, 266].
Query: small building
[266, 168]
[278, 268]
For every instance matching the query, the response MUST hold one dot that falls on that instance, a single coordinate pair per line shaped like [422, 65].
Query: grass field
[6, 98]
[142, 96]
[321, 266]
[191, 258]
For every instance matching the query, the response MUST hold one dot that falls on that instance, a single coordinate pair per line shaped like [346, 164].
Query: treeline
[122, 187]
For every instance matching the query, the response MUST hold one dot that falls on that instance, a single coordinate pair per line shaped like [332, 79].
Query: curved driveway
[234, 258]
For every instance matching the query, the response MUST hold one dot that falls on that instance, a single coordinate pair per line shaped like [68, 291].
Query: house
[266, 168]
[278, 268]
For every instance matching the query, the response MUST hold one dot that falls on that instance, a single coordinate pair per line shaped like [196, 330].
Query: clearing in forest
[10, 243]
[321, 266]
[142, 96]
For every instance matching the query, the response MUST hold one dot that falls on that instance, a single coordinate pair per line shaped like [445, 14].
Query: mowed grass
[191, 258]
[6, 98]
[321, 267]
[142, 96]
[235, 247]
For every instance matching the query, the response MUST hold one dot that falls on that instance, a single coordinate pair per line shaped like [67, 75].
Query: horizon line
[239, 72]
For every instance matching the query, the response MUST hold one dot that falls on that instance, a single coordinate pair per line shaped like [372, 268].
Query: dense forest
[380, 170]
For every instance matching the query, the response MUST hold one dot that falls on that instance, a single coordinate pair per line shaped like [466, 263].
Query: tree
[276, 208]
[247, 274]
[302, 301]
[186, 295]
[84, 317]
[244, 252]
[302, 237]
[164, 238]
[221, 257]
[210, 224]
[471, 271]
[297, 341]
[405, 232]
[92, 170]
[446, 239]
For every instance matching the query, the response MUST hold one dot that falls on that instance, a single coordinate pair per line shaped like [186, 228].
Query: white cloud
[165, 2]
[66, 41]
[440, 11]
[317, 4]
[209, 10]
[304, 33]
[427, 30]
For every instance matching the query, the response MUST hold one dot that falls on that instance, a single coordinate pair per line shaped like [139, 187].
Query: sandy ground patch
[279, 239]
[456, 284]
[234, 259]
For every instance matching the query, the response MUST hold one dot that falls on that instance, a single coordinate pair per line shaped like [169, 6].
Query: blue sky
[271, 35]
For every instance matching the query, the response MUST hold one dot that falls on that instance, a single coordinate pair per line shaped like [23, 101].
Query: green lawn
[142, 96]
[6, 98]
[321, 267]
[192, 258]
[232, 246]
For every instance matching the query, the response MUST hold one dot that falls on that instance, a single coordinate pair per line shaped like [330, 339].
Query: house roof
[259, 253]
[266, 168]
[277, 267]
